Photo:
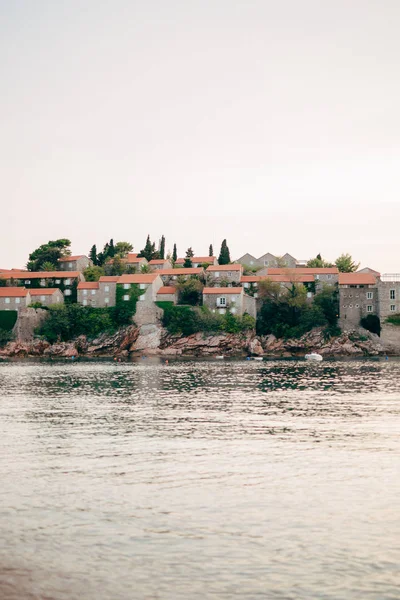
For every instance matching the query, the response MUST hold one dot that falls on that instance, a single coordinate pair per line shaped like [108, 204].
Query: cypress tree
[210, 251]
[162, 247]
[224, 255]
[174, 254]
[111, 249]
[93, 255]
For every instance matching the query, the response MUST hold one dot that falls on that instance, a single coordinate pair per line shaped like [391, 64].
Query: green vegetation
[66, 321]
[287, 313]
[161, 251]
[149, 251]
[93, 273]
[346, 264]
[5, 336]
[210, 251]
[393, 319]
[190, 291]
[174, 254]
[188, 259]
[8, 318]
[186, 320]
[224, 255]
[46, 256]
[125, 309]
[319, 263]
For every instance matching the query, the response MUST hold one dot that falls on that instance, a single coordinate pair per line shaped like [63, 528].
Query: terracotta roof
[43, 291]
[71, 258]
[235, 267]
[223, 290]
[197, 259]
[41, 275]
[167, 289]
[192, 271]
[304, 270]
[88, 285]
[133, 258]
[356, 279]
[13, 292]
[143, 278]
[109, 278]
[157, 261]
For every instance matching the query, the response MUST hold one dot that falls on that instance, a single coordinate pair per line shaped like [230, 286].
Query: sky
[275, 125]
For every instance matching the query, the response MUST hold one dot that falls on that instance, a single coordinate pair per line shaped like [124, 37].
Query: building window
[221, 301]
[85, 292]
[246, 285]
[229, 273]
[317, 277]
[393, 308]
[106, 300]
[67, 282]
[17, 300]
[142, 286]
[57, 281]
[126, 297]
[255, 284]
[142, 298]
[344, 305]
[93, 292]
[350, 306]
[392, 294]
[67, 292]
[255, 296]
[27, 281]
[70, 265]
[7, 300]
[266, 263]
[309, 294]
[106, 288]
[84, 302]
[370, 295]
[357, 306]
[329, 276]
[127, 286]
[369, 308]
[43, 282]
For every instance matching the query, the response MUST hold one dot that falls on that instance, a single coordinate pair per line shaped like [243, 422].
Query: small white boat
[313, 356]
[220, 357]
[257, 358]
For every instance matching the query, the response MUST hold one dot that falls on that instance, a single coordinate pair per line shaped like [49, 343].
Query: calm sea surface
[200, 480]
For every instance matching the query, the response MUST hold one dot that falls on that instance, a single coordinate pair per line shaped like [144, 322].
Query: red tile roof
[157, 261]
[88, 285]
[356, 279]
[197, 259]
[192, 271]
[43, 291]
[167, 289]
[13, 292]
[143, 278]
[223, 290]
[304, 270]
[40, 275]
[109, 278]
[71, 258]
[234, 267]
[133, 258]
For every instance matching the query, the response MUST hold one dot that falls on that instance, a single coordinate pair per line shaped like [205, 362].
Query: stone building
[323, 275]
[227, 274]
[160, 264]
[170, 276]
[388, 295]
[66, 281]
[198, 261]
[14, 298]
[268, 260]
[46, 296]
[74, 263]
[133, 261]
[234, 299]
[149, 282]
[167, 293]
[358, 297]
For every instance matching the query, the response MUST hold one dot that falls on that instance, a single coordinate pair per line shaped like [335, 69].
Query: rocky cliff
[154, 340]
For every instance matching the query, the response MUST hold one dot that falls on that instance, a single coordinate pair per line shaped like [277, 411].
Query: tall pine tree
[162, 247]
[111, 249]
[224, 255]
[149, 251]
[210, 251]
[188, 259]
[174, 254]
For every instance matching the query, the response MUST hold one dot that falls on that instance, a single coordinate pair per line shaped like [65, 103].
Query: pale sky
[275, 125]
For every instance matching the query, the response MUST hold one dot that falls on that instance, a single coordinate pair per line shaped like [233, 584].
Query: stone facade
[227, 274]
[159, 265]
[232, 299]
[167, 294]
[74, 263]
[388, 297]
[28, 320]
[356, 303]
[14, 298]
[170, 276]
[47, 296]
[248, 260]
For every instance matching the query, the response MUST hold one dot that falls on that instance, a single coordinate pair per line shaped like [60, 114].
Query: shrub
[186, 321]
[65, 322]
[190, 291]
[393, 319]
[8, 318]
[5, 336]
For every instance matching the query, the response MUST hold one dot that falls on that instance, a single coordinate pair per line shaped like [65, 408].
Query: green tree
[346, 264]
[174, 254]
[117, 266]
[188, 259]
[93, 273]
[161, 251]
[224, 255]
[190, 291]
[93, 255]
[210, 251]
[122, 248]
[48, 253]
[145, 269]
[49, 266]
[149, 251]
[318, 262]
[111, 249]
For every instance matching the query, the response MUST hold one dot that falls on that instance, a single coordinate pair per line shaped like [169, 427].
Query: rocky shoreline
[154, 340]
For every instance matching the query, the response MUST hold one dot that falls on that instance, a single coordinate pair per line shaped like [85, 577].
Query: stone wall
[147, 313]
[390, 338]
[388, 296]
[28, 320]
[353, 303]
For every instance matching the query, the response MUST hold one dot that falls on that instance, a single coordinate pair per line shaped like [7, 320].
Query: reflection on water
[200, 480]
